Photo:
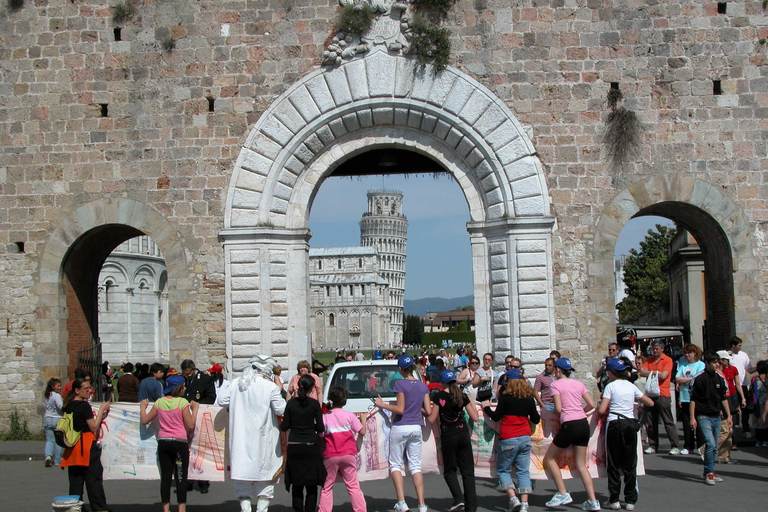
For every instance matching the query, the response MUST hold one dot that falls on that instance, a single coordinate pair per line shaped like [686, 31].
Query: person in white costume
[255, 401]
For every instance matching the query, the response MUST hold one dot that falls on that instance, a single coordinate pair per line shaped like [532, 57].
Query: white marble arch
[381, 101]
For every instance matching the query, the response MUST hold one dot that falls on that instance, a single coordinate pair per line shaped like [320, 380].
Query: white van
[364, 381]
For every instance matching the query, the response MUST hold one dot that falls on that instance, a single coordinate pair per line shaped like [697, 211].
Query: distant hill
[421, 306]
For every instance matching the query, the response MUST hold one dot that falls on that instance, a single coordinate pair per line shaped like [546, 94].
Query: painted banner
[374, 448]
[129, 449]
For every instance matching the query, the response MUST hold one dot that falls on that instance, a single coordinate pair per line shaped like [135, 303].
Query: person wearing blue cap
[515, 409]
[405, 436]
[449, 404]
[569, 394]
[176, 418]
[618, 402]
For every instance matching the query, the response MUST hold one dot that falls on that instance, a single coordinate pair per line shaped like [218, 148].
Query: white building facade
[133, 304]
[349, 300]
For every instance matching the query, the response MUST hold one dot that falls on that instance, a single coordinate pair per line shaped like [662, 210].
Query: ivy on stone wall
[355, 19]
[429, 43]
[442, 6]
[122, 13]
[622, 131]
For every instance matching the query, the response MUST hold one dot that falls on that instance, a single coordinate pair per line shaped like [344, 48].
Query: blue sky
[439, 259]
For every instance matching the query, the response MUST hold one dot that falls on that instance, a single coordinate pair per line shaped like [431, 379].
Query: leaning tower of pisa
[385, 227]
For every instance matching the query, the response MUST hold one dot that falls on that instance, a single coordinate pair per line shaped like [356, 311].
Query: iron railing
[89, 360]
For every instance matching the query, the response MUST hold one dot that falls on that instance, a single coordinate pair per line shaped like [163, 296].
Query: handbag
[485, 391]
[632, 421]
[652, 385]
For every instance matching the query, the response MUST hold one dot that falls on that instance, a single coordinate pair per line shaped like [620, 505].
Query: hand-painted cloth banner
[129, 449]
[374, 448]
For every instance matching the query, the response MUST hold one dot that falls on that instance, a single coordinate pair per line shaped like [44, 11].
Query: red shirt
[731, 375]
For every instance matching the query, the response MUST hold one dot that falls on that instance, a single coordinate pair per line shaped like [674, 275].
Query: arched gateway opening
[721, 232]
[383, 102]
[69, 273]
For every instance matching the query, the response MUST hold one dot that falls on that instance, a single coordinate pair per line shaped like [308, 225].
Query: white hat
[722, 354]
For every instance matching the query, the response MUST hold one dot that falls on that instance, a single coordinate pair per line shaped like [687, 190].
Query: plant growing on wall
[442, 6]
[429, 43]
[622, 131]
[355, 19]
[121, 13]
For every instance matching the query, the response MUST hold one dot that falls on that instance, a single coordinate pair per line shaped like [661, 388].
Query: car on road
[364, 381]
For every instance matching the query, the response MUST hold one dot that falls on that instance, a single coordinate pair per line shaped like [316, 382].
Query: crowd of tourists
[714, 390]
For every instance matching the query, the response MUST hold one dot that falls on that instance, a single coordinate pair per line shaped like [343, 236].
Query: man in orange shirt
[662, 404]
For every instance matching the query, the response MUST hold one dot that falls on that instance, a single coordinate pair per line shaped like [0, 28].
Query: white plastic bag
[652, 385]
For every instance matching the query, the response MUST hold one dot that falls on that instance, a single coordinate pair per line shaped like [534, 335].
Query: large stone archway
[719, 226]
[381, 101]
[73, 255]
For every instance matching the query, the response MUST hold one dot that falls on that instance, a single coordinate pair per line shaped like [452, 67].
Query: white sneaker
[590, 505]
[629, 506]
[423, 508]
[612, 506]
[674, 451]
[523, 507]
[684, 451]
[514, 504]
[401, 507]
[456, 507]
[559, 499]
[650, 450]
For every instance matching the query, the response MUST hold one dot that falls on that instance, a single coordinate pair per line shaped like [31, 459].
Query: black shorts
[572, 433]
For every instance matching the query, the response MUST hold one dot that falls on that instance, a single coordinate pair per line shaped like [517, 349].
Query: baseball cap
[723, 354]
[615, 364]
[513, 374]
[171, 382]
[377, 354]
[405, 361]
[215, 369]
[563, 363]
[447, 376]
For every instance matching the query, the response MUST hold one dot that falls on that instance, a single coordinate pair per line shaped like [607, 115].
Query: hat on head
[405, 361]
[616, 364]
[215, 369]
[377, 355]
[447, 376]
[172, 371]
[563, 363]
[723, 354]
[171, 382]
[513, 374]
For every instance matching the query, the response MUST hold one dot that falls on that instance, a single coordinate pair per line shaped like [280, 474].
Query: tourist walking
[542, 386]
[658, 370]
[759, 388]
[53, 406]
[176, 421]
[485, 379]
[341, 450]
[449, 405]
[256, 457]
[405, 436]
[84, 459]
[516, 410]
[466, 379]
[574, 431]
[688, 367]
[708, 404]
[304, 469]
[619, 397]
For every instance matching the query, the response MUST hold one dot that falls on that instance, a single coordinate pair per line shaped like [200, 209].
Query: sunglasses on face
[474, 362]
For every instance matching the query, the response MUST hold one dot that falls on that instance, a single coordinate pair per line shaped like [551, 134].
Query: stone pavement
[671, 484]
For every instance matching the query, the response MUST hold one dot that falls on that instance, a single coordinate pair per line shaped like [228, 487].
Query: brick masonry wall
[550, 61]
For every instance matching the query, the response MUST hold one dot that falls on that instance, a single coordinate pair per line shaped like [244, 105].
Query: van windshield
[367, 381]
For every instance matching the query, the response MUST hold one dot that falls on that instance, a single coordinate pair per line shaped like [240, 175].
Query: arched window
[338, 263]
[331, 319]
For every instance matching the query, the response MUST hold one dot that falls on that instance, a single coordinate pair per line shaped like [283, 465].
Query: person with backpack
[53, 405]
[84, 458]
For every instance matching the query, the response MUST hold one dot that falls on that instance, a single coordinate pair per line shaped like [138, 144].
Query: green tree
[646, 279]
[413, 328]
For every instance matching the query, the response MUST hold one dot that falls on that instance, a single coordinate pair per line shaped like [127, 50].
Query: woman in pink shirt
[574, 431]
[304, 368]
[340, 451]
[175, 418]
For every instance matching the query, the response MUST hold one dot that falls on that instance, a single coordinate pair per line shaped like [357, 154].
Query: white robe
[254, 435]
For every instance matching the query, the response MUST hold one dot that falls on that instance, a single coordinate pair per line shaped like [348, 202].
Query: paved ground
[671, 484]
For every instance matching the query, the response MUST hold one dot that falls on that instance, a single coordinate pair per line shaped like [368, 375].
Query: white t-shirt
[628, 354]
[622, 395]
[741, 361]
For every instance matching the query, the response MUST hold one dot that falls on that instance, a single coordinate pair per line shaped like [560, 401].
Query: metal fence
[90, 361]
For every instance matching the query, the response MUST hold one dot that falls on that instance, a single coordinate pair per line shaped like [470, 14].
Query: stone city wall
[84, 117]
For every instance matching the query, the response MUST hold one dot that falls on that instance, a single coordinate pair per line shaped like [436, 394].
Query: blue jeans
[51, 448]
[515, 450]
[710, 428]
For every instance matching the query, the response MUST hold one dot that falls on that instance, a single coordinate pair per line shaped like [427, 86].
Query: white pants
[405, 440]
[250, 488]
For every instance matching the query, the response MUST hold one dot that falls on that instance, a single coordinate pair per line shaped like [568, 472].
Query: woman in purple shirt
[405, 436]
